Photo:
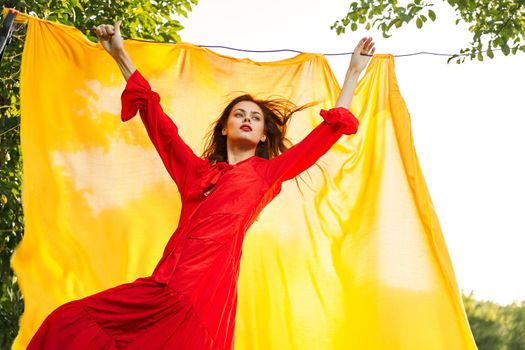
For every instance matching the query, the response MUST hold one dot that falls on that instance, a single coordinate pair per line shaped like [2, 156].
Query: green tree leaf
[480, 56]
[490, 53]
[432, 15]
[500, 21]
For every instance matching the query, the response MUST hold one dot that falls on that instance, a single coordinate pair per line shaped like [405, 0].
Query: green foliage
[11, 216]
[493, 24]
[150, 20]
[496, 327]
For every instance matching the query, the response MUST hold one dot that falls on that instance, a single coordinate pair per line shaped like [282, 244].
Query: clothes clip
[7, 31]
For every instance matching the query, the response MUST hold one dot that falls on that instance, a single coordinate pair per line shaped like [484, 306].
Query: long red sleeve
[176, 155]
[298, 158]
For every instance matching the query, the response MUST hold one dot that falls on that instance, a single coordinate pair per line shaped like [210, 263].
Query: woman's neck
[236, 156]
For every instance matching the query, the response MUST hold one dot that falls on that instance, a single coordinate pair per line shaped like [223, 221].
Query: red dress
[189, 301]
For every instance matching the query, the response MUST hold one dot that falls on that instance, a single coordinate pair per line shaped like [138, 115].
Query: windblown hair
[277, 114]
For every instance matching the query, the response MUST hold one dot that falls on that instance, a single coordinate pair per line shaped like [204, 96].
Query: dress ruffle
[143, 314]
[210, 178]
[133, 97]
[341, 115]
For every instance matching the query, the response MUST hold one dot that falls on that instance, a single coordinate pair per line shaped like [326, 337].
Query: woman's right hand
[110, 38]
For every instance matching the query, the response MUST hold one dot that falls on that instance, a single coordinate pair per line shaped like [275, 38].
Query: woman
[189, 301]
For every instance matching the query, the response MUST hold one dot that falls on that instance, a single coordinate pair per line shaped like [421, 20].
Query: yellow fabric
[357, 261]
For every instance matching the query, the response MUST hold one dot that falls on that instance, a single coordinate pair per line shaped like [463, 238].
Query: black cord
[297, 51]
[325, 54]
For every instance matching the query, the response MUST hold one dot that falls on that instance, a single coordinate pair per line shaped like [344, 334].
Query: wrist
[352, 73]
[120, 55]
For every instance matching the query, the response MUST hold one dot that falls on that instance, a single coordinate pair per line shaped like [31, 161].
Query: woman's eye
[257, 117]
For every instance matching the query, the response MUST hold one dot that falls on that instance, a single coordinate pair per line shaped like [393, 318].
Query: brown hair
[277, 114]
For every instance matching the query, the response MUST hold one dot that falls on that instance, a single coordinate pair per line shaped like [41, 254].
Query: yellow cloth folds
[354, 259]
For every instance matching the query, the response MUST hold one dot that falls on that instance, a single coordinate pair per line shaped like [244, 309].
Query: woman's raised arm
[337, 121]
[111, 39]
[362, 53]
[177, 156]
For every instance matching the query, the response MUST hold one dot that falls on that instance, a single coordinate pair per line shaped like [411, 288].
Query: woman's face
[245, 125]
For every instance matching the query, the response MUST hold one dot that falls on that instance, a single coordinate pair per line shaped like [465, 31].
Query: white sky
[467, 120]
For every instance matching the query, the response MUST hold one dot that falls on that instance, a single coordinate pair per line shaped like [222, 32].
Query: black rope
[325, 54]
[278, 50]
[339, 54]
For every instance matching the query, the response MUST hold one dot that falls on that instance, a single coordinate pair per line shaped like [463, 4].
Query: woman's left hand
[362, 53]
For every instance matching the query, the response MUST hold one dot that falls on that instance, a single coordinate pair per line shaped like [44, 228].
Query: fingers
[107, 30]
[117, 27]
[367, 46]
[99, 32]
[104, 31]
[110, 30]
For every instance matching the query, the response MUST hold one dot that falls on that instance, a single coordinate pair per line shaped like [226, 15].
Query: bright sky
[468, 120]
